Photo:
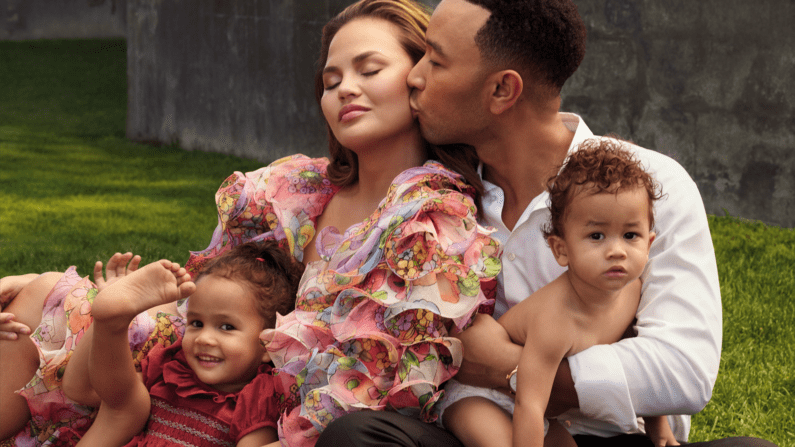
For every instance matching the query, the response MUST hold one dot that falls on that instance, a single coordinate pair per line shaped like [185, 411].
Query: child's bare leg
[465, 420]
[125, 401]
[19, 359]
[558, 436]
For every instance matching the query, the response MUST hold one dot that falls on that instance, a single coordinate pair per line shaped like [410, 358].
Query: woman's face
[366, 99]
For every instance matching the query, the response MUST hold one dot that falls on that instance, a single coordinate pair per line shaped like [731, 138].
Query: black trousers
[383, 428]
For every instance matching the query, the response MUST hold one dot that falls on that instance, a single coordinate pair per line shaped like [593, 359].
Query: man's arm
[672, 364]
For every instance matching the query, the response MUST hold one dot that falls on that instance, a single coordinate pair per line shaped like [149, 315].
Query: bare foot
[157, 283]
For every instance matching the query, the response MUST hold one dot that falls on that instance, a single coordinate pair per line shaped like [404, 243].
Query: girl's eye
[371, 73]
[332, 86]
[227, 327]
[597, 236]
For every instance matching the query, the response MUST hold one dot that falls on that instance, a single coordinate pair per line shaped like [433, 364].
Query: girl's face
[221, 340]
[366, 99]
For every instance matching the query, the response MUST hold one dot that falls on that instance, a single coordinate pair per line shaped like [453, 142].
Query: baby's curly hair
[545, 38]
[269, 271]
[598, 165]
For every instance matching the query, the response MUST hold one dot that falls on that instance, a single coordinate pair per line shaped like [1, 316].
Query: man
[491, 78]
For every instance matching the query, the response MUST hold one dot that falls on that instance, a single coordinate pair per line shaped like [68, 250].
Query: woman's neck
[379, 165]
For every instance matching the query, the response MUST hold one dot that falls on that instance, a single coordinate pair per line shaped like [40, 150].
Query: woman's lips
[351, 111]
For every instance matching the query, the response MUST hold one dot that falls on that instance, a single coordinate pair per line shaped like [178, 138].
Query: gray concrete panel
[62, 19]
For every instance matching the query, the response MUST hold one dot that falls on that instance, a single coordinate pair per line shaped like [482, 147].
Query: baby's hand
[658, 430]
[119, 266]
[10, 329]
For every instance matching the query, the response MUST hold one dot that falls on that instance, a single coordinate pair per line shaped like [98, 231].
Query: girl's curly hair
[598, 165]
[267, 270]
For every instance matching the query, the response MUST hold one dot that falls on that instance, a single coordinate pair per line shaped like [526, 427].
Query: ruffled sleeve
[280, 201]
[372, 324]
[256, 407]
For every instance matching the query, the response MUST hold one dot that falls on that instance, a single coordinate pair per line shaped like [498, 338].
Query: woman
[377, 300]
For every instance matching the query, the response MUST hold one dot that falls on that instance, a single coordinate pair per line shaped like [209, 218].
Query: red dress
[186, 411]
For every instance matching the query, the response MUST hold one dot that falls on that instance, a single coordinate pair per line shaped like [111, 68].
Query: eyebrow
[359, 58]
[436, 47]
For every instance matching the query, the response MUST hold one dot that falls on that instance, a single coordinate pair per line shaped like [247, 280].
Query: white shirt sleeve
[672, 364]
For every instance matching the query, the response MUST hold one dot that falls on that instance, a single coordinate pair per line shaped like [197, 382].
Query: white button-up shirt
[671, 366]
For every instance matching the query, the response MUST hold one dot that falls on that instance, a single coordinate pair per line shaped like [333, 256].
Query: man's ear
[507, 86]
[559, 250]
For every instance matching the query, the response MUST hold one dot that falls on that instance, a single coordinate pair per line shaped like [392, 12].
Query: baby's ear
[266, 357]
[559, 250]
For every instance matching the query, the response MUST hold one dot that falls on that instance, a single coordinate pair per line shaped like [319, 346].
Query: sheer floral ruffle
[372, 320]
[280, 201]
[56, 419]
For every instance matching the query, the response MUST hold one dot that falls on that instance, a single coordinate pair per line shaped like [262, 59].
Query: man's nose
[416, 79]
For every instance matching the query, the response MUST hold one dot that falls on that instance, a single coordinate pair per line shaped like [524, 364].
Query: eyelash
[367, 74]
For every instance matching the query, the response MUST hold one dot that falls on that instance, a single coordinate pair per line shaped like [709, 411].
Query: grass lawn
[73, 191]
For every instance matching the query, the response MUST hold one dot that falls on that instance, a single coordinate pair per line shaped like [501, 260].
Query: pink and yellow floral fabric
[373, 318]
[56, 420]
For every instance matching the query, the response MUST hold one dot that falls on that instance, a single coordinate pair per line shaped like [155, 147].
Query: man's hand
[489, 354]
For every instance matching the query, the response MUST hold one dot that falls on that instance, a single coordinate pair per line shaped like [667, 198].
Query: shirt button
[511, 256]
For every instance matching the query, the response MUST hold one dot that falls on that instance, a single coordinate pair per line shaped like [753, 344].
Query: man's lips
[351, 111]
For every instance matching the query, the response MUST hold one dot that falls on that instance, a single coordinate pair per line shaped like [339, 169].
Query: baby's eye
[596, 236]
[630, 236]
[227, 327]
[196, 324]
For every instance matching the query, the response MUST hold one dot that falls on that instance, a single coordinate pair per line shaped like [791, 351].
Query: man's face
[449, 94]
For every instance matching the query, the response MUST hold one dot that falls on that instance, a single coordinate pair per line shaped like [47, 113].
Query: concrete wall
[233, 76]
[62, 19]
[710, 83]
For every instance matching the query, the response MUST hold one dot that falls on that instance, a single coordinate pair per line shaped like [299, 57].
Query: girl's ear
[559, 250]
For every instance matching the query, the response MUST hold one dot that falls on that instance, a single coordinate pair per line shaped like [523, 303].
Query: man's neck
[522, 156]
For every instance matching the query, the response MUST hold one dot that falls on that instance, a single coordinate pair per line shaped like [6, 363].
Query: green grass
[73, 191]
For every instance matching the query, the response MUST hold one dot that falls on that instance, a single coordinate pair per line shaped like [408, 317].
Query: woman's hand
[119, 266]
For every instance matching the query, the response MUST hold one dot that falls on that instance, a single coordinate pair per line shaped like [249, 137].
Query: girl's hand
[119, 266]
[10, 329]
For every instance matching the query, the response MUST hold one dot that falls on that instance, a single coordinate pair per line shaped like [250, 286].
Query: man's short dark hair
[542, 38]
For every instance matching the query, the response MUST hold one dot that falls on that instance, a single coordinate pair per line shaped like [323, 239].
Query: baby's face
[607, 237]
[221, 340]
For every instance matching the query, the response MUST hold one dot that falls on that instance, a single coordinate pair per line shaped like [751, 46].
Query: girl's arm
[264, 436]
[76, 384]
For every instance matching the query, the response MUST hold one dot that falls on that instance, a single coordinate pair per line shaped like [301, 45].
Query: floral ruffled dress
[373, 317]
